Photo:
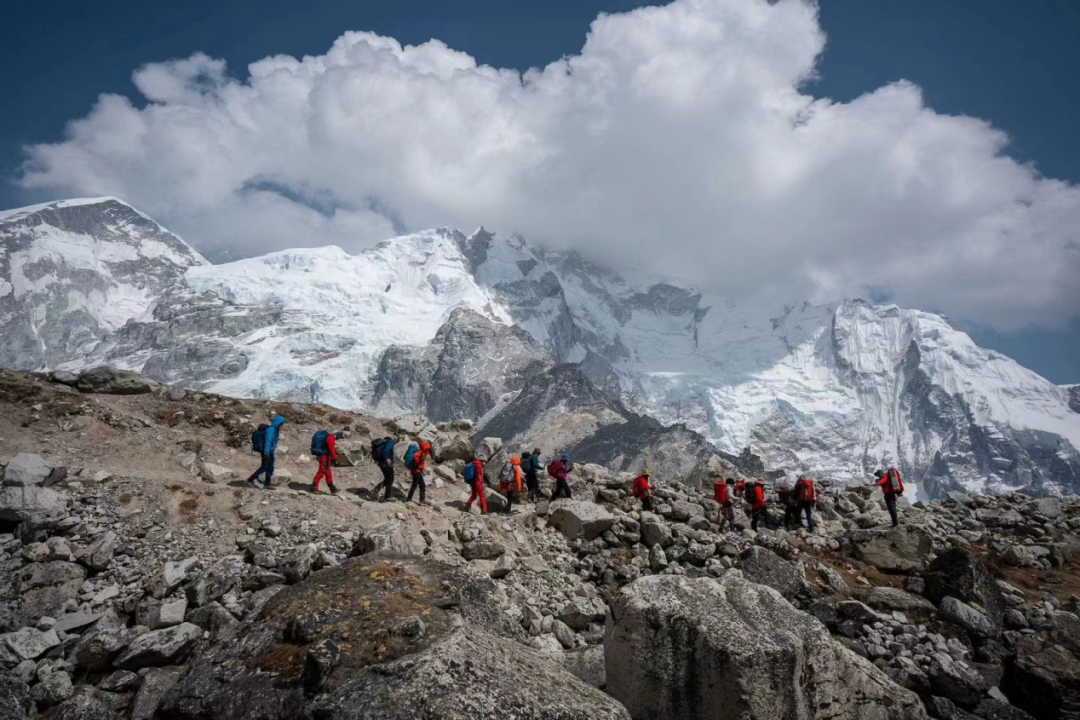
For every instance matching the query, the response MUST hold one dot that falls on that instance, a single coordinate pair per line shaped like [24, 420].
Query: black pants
[727, 514]
[418, 482]
[562, 489]
[791, 517]
[387, 480]
[646, 503]
[532, 482]
[807, 508]
[890, 503]
[759, 515]
[266, 467]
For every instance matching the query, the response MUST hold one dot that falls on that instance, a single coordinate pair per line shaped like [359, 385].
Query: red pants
[325, 469]
[478, 492]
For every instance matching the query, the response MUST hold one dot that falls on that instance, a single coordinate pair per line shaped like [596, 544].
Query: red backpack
[721, 491]
[807, 493]
[895, 484]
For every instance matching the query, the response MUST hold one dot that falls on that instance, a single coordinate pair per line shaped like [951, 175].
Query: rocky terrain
[456, 326]
[140, 577]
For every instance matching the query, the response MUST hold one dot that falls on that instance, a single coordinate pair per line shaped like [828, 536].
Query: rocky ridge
[164, 588]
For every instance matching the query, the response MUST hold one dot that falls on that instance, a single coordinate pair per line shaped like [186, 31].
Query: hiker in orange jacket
[477, 485]
[510, 486]
[806, 495]
[643, 490]
[759, 506]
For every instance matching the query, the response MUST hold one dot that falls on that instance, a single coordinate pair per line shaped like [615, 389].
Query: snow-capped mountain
[73, 271]
[445, 324]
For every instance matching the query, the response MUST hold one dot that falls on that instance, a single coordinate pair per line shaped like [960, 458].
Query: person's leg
[890, 503]
[509, 501]
[754, 514]
[423, 487]
[269, 470]
[479, 490]
[808, 508]
[329, 471]
[262, 468]
[388, 479]
[412, 489]
[319, 475]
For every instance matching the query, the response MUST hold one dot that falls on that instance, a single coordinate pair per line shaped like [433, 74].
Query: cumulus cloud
[683, 139]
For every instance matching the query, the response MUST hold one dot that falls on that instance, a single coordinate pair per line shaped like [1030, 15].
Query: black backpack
[258, 438]
[377, 449]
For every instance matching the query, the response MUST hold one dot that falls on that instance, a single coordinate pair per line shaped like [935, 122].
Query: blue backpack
[318, 443]
[410, 456]
[258, 438]
[469, 473]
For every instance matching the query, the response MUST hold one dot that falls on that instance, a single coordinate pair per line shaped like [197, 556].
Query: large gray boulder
[580, 519]
[888, 598]
[394, 537]
[26, 469]
[975, 622]
[14, 697]
[765, 567]
[160, 647]
[1046, 684]
[109, 380]
[901, 549]
[30, 643]
[958, 573]
[19, 503]
[681, 649]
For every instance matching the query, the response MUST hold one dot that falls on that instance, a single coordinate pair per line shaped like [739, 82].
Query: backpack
[750, 493]
[410, 456]
[377, 449]
[806, 490]
[895, 484]
[469, 473]
[258, 438]
[554, 468]
[318, 443]
[505, 473]
[720, 490]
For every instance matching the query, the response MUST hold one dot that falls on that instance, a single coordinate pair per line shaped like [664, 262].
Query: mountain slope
[835, 390]
[73, 271]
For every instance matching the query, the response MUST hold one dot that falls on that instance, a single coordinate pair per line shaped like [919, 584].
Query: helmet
[515, 461]
[646, 472]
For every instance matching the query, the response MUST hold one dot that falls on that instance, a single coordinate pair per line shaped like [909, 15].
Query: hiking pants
[791, 516]
[267, 467]
[646, 502]
[533, 483]
[807, 508]
[890, 503]
[418, 482]
[478, 493]
[325, 470]
[508, 492]
[562, 489]
[727, 515]
[758, 515]
[387, 480]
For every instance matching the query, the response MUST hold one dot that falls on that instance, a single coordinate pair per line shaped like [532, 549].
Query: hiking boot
[314, 488]
[333, 488]
[251, 482]
[268, 486]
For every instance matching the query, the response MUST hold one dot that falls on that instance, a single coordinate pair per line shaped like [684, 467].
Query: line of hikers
[797, 501]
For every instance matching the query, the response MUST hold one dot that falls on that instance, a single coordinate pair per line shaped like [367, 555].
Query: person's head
[536, 451]
[525, 455]
[759, 481]
[646, 472]
[425, 446]
[730, 481]
[388, 439]
[565, 458]
[515, 461]
[879, 474]
[339, 434]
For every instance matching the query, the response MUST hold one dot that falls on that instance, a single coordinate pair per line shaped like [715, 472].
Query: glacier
[835, 390]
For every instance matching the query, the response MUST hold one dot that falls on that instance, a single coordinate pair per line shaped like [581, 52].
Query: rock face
[392, 537]
[1047, 684]
[696, 648]
[958, 573]
[469, 366]
[580, 519]
[763, 566]
[110, 381]
[900, 549]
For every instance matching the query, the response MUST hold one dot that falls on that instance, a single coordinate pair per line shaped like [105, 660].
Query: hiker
[892, 486]
[323, 447]
[558, 469]
[382, 452]
[742, 493]
[415, 458]
[643, 490]
[723, 490]
[786, 497]
[510, 482]
[265, 441]
[758, 506]
[474, 478]
[533, 467]
[806, 496]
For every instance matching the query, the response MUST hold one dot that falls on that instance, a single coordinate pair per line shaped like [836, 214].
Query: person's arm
[330, 447]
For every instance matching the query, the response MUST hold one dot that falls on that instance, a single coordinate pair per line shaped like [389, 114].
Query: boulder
[763, 566]
[580, 612]
[29, 643]
[654, 532]
[684, 648]
[393, 537]
[887, 598]
[901, 549]
[580, 519]
[482, 549]
[956, 680]
[1048, 507]
[214, 474]
[155, 684]
[296, 564]
[1067, 630]
[99, 553]
[14, 697]
[160, 647]
[53, 689]
[587, 665]
[975, 622]
[1046, 684]
[25, 470]
[172, 576]
[110, 381]
[19, 503]
[82, 707]
[96, 649]
[959, 574]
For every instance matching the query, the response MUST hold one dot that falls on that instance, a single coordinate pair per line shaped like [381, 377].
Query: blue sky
[1010, 64]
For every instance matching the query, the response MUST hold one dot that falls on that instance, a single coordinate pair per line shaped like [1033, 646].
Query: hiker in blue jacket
[270, 438]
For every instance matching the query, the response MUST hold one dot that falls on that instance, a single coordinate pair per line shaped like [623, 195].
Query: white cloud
[682, 139]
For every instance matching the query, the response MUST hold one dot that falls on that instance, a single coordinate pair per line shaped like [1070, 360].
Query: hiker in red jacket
[806, 495]
[893, 487]
[417, 470]
[643, 490]
[477, 484]
[326, 464]
[758, 508]
[559, 468]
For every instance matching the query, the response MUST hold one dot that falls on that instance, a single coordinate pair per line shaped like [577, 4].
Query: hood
[278, 422]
